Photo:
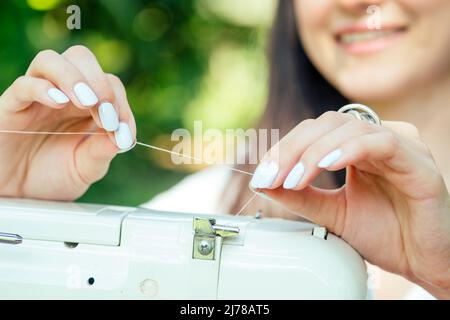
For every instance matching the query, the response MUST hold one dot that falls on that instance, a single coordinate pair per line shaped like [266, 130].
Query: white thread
[267, 198]
[190, 157]
[141, 144]
[201, 160]
[159, 149]
[246, 204]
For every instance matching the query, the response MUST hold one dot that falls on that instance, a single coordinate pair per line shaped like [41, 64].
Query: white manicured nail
[264, 175]
[57, 95]
[330, 158]
[124, 138]
[254, 181]
[108, 116]
[294, 176]
[85, 94]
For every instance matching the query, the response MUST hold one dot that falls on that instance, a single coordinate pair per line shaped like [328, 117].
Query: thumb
[323, 207]
[93, 156]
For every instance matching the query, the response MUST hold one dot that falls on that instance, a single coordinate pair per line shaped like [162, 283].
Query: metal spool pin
[361, 112]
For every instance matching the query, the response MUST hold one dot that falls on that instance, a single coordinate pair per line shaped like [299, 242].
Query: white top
[199, 192]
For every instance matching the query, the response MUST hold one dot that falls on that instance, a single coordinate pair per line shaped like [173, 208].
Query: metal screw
[205, 247]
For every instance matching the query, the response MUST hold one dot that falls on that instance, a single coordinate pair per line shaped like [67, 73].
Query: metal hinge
[205, 233]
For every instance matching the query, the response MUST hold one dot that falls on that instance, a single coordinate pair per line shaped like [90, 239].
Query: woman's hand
[66, 92]
[394, 208]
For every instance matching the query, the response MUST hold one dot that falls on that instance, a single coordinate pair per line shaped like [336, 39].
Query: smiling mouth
[361, 40]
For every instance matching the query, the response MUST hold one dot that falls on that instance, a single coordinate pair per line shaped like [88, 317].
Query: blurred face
[377, 50]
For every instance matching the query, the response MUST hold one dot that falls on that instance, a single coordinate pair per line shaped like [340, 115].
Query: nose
[358, 6]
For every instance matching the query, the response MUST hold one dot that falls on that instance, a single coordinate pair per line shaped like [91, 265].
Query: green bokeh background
[180, 60]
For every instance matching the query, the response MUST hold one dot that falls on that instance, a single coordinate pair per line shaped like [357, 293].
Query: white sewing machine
[78, 251]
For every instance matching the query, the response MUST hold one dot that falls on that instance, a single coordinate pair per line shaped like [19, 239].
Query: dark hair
[297, 91]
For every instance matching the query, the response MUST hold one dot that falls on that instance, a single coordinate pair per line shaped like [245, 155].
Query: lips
[365, 36]
[359, 39]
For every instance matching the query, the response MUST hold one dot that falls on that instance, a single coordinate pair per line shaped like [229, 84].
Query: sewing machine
[54, 250]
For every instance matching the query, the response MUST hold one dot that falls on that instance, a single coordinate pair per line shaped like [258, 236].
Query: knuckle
[328, 115]
[20, 81]
[115, 80]
[78, 50]
[408, 125]
[45, 54]
[306, 122]
[18, 85]
[411, 129]
[301, 125]
[406, 129]
[117, 83]
[287, 141]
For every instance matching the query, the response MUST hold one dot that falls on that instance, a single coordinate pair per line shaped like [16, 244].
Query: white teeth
[364, 36]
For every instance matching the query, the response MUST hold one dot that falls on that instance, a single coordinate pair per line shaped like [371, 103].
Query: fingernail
[85, 94]
[294, 176]
[57, 95]
[108, 116]
[330, 158]
[264, 175]
[123, 136]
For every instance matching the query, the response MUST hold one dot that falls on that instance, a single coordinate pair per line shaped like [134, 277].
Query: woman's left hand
[394, 208]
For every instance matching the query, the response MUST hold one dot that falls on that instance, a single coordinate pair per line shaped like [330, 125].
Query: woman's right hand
[66, 92]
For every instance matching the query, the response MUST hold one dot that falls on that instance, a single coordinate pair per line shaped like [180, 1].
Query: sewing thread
[138, 143]
[255, 193]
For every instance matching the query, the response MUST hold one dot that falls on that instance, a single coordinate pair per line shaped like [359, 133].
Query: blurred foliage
[181, 60]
